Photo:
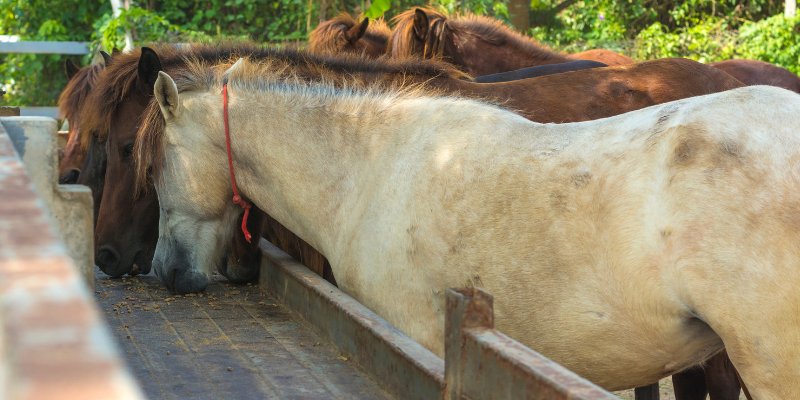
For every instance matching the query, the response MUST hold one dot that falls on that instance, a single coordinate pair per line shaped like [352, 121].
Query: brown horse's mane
[323, 39]
[489, 29]
[117, 82]
[72, 98]
[496, 32]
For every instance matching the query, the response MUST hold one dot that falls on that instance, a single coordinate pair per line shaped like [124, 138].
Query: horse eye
[127, 151]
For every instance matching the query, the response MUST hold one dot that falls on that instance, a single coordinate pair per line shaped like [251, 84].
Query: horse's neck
[316, 168]
[301, 167]
[516, 52]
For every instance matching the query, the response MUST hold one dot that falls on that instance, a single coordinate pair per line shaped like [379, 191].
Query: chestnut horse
[610, 246]
[752, 72]
[480, 45]
[72, 98]
[343, 34]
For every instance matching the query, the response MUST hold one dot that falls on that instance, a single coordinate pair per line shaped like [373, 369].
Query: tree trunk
[791, 8]
[519, 11]
[117, 6]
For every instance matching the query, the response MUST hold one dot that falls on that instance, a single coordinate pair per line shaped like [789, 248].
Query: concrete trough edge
[400, 364]
[54, 342]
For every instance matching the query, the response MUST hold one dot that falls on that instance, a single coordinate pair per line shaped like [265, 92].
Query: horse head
[72, 98]
[343, 34]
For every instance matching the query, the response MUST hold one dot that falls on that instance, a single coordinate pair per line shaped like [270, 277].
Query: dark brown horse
[343, 34]
[753, 72]
[79, 84]
[717, 378]
[477, 44]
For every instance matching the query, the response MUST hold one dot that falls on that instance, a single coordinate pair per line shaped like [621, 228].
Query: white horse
[626, 249]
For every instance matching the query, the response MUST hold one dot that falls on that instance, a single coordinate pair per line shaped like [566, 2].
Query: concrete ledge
[36, 141]
[403, 366]
[482, 363]
[53, 342]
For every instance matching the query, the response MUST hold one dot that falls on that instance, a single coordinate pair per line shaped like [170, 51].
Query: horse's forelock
[74, 95]
[324, 38]
[401, 42]
[328, 35]
[117, 82]
[148, 147]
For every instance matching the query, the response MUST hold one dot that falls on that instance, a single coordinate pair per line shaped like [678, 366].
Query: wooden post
[791, 9]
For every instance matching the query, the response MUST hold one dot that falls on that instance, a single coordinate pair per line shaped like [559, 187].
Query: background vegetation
[705, 30]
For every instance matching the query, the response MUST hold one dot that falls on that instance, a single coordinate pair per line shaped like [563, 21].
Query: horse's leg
[762, 342]
[690, 384]
[721, 378]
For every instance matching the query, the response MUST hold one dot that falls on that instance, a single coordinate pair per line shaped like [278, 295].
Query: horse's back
[753, 72]
[604, 56]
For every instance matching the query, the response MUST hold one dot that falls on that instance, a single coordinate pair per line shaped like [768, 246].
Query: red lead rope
[237, 199]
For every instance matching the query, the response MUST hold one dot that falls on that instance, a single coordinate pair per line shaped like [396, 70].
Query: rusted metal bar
[482, 363]
[9, 111]
[403, 366]
[53, 341]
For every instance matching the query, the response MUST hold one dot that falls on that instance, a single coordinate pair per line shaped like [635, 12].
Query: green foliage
[261, 21]
[709, 40]
[378, 8]
[23, 75]
[149, 27]
[702, 30]
[705, 30]
[775, 39]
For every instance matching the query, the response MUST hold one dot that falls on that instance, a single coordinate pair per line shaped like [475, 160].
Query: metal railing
[12, 44]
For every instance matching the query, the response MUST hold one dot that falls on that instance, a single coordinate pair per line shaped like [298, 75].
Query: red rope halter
[237, 199]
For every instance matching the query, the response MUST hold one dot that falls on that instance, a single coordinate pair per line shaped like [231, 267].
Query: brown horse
[478, 44]
[72, 98]
[753, 72]
[343, 34]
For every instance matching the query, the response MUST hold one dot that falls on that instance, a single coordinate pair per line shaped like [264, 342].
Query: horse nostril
[108, 259]
[190, 282]
[70, 177]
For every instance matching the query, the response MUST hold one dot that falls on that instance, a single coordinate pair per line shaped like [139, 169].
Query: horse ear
[70, 68]
[106, 57]
[149, 66]
[357, 31]
[166, 93]
[420, 24]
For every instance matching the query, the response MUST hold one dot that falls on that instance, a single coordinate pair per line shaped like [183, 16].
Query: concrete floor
[231, 342]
